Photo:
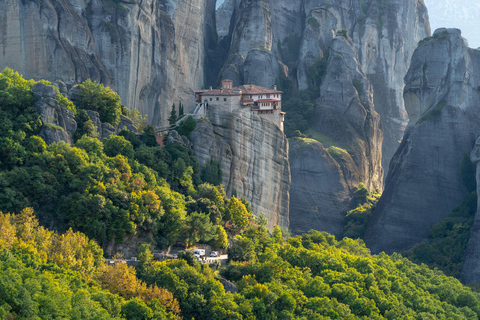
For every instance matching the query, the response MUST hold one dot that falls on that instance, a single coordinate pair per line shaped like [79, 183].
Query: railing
[198, 113]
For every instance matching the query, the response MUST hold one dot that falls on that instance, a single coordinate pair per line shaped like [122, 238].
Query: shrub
[95, 96]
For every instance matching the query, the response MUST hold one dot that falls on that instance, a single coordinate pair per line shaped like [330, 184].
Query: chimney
[210, 88]
[275, 87]
[227, 84]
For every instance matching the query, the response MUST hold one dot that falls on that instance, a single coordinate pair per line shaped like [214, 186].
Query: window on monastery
[268, 96]
[210, 99]
[217, 98]
[224, 99]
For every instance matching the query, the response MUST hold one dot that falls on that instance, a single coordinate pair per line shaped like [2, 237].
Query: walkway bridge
[198, 113]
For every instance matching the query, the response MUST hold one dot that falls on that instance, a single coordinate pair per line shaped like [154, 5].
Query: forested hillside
[111, 189]
[97, 192]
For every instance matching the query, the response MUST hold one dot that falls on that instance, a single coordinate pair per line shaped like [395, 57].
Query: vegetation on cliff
[108, 190]
[126, 185]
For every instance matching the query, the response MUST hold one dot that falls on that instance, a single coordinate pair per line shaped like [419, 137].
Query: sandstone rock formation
[253, 155]
[385, 33]
[345, 113]
[58, 122]
[271, 40]
[151, 52]
[424, 182]
[319, 188]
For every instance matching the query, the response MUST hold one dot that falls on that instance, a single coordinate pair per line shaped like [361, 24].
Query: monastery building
[267, 103]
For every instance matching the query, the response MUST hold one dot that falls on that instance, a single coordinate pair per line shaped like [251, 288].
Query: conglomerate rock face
[151, 52]
[253, 155]
[424, 183]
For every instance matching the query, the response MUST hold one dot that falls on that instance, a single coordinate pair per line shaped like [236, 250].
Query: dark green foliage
[212, 172]
[313, 22]
[299, 106]
[188, 256]
[434, 112]
[448, 239]
[207, 206]
[17, 112]
[126, 112]
[186, 127]
[298, 114]
[341, 280]
[356, 219]
[180, 110]
[118, 145]
[343, 33]
[85, 125]
[149, 137]
[173, 116]
[136, 309]
[317, 70]
[95, 96]
[468, 173]
[198, 228]
[358, 85]
[127, 185]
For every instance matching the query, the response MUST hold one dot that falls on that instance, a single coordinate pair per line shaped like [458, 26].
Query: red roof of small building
[252, 89]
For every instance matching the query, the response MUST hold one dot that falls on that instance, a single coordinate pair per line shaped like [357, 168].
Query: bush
[186, 127]
[95, 96]
[115, 145]
[212, 172]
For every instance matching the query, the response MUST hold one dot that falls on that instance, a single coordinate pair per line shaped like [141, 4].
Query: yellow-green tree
[238, 213]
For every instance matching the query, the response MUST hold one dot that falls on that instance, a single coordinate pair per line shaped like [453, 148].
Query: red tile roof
[248, 89]
[252, 89]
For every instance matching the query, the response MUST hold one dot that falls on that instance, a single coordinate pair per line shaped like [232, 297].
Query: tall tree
[173, 116]
[180, 109]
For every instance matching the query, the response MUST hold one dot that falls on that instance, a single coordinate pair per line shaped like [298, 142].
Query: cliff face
[271, 40]
[424, 183]
[385, 33]
[322, 184]
[151, 52]
[253, 155]
[471, 259]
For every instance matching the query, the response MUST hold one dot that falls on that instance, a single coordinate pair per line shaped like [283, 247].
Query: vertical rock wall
[275, 39]
[424, 183]
[151, 52]
[322, 185]
[253, 154]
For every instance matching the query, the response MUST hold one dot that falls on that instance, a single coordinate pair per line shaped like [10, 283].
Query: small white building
[267, 103]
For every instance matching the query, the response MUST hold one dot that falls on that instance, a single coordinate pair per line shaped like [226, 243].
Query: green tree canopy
[95, 96]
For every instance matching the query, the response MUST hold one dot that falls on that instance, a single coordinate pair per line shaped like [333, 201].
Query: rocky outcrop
[319, 189]
[229, 286]
[58, 122]
[344, 112]
[105, 130]
[424, 183]
[253, 155]
[176, 138]
[150, 52]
